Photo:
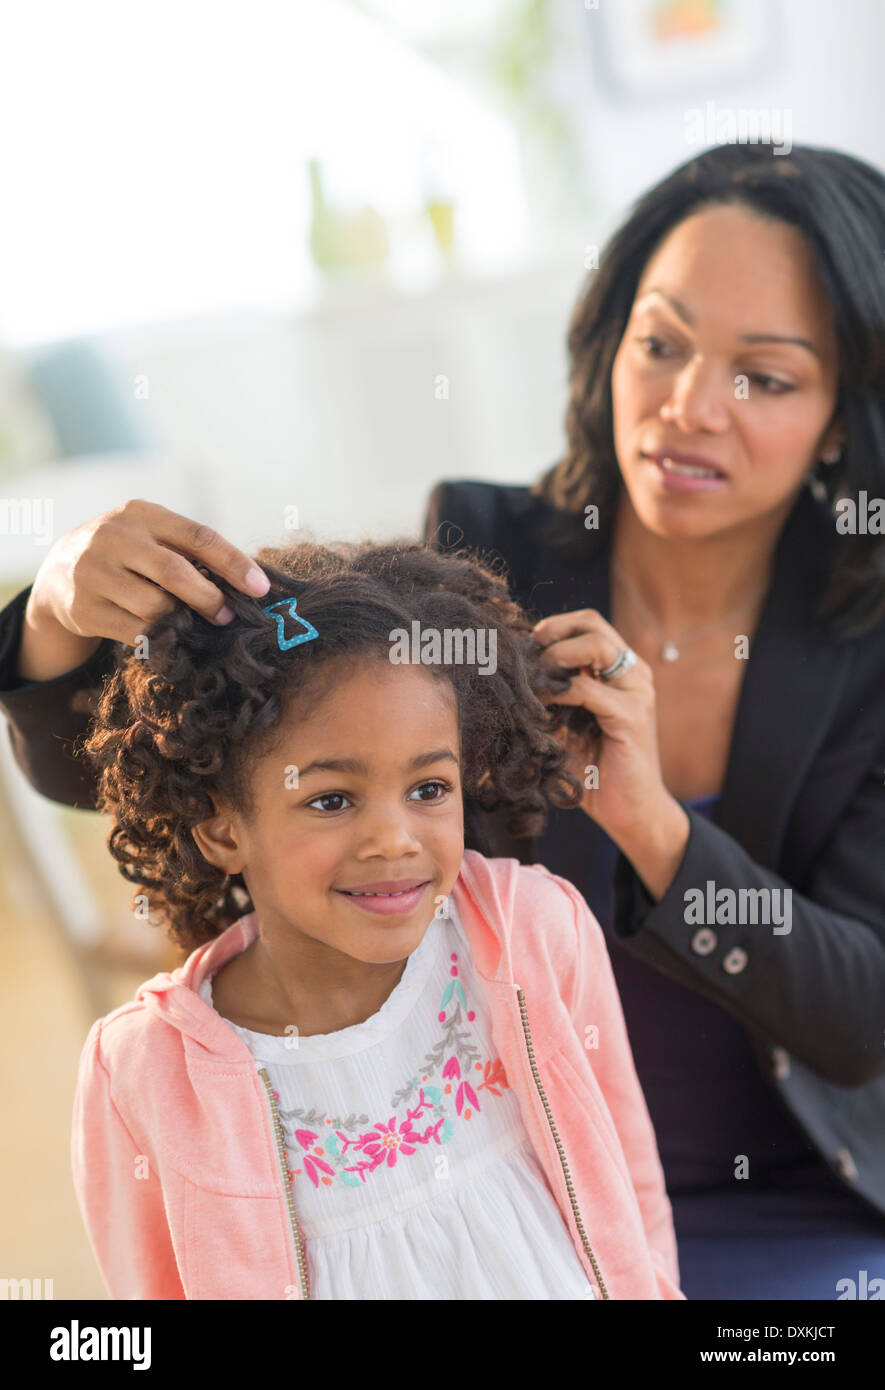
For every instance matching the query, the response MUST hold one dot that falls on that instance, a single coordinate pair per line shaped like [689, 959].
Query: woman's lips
[387, 904]
[682, 482]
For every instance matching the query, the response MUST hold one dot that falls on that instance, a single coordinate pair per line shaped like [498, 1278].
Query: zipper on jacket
[287, 1183]
[562, 1158]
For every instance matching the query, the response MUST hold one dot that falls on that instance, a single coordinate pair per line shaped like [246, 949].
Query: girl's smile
[387, 899]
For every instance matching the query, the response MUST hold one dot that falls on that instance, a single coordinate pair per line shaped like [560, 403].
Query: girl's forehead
[379, 704]
[344, 687]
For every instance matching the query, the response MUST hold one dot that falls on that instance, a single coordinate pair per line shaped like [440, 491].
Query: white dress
[413, 1174]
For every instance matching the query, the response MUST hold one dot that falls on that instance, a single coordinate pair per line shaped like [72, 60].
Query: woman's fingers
[584, 639]
[133, 563]
[132, 612]
[604, 700]
[560, 625]
[622, 748]
[161, 575]
[178, 540]
[120, 571]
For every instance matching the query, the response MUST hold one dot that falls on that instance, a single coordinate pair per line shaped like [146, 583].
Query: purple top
[706, 1094]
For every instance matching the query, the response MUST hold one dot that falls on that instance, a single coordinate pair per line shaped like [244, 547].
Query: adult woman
[758, 1039]
[737, 323]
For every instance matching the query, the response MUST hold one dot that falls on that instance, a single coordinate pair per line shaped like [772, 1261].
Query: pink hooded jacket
[176, 1147]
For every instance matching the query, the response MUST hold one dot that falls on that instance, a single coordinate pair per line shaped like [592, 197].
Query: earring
[833, 456]
[816, 487]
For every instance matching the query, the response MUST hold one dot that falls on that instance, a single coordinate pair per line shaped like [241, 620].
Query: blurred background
[288, 265]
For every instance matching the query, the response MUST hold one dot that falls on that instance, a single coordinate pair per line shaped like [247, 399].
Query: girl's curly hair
[192, 717]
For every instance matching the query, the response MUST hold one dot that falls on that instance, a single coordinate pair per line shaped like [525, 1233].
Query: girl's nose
[389, 836]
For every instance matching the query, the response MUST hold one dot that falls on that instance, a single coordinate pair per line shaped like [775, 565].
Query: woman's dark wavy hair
[838, 203]
[192, 718]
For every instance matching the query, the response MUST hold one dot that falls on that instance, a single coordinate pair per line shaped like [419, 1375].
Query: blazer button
[735, 961]
[846, 1164]
[780, 1062]
[704, 941]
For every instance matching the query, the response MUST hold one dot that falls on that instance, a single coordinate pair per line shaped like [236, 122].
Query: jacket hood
[484, 894]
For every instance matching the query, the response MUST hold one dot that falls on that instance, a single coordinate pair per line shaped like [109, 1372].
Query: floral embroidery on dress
[354, 1146]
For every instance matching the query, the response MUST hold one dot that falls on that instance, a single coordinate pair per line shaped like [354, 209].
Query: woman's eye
[771, 383]
[328, 796]
[649, 351]
[444, 787]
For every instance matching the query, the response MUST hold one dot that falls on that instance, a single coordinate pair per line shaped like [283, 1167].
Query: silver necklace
[669, 650]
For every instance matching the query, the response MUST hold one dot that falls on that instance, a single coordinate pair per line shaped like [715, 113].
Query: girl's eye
[341, 797]
[445, 787]
[328, 796]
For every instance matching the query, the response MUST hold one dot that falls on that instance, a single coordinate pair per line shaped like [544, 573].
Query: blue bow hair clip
[308, 633]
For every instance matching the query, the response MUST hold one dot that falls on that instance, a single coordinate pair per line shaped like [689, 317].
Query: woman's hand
[626, 795]
[116, 575]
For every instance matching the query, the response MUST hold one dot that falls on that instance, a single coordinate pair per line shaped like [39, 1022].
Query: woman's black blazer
[803, 806]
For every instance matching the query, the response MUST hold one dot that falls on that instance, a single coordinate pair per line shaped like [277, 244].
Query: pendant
[669, 651]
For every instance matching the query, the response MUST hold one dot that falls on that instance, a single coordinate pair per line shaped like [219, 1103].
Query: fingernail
[224, 614]
[257, 582]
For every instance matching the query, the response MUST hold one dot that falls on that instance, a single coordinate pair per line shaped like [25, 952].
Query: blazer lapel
[791, 689]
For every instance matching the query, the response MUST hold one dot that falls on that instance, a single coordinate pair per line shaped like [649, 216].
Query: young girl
[389, 1068]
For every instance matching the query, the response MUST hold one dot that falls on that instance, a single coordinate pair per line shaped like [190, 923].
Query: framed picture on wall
[649, 49]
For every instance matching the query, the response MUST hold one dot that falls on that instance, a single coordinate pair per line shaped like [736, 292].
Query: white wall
[334, 411]
[825, 66]
[341, 412]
